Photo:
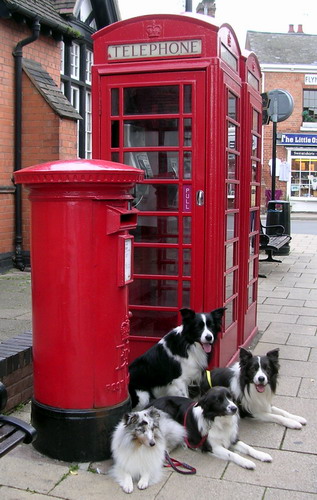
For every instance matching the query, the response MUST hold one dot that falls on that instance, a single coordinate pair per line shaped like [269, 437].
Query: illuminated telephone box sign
[155, 49]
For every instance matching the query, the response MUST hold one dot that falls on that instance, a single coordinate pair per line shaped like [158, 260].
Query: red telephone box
[250, 194]
[167, 98]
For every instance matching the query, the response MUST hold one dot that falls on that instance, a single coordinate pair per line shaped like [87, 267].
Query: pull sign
[200, 198]
[125, 260]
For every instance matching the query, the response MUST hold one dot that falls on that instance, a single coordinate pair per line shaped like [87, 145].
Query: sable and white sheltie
[211, 424]
[177, 360]
[253, 381]
[138, 447]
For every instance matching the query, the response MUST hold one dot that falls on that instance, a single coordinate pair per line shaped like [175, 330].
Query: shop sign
[155, 49]
[304, 152]
[310, 79]
[298, 139]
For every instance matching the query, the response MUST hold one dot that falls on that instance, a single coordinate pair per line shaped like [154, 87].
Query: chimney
[300, 28]
[291, 28]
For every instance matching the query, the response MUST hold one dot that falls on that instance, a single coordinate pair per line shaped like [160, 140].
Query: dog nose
[208, 338]
[152, 443]
[261, 379]
[233, 409]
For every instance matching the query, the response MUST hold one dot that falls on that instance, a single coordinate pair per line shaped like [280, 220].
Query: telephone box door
[150, 121]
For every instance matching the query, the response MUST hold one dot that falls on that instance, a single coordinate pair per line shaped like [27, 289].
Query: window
[76, 68]
[74, 61]
[304, 177]
[310, 106]
[89, 62]
[88, 126]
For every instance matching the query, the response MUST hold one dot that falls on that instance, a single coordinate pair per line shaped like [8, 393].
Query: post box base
[75, 435]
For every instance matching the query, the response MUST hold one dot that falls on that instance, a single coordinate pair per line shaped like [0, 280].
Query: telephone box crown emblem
[154, 30]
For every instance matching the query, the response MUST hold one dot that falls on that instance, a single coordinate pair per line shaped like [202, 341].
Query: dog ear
[154, 413]
[187, 313]
[130, 418]
[245, 355]
[273, 355]
[217, 315]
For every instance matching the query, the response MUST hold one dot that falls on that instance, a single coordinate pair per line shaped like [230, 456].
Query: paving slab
[285, 351]
[278, 494]
[302, 340]
[33, 475]
[194, 487]
[288, 471]
[261, 434]
[9, 493]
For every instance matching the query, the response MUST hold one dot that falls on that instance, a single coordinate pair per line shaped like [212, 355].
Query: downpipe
[18, 259]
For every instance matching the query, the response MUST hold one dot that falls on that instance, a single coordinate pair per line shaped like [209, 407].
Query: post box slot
[119, 219]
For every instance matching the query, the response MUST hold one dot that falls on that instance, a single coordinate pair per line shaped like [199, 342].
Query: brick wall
[45, 136]
[16, 369]
[293, 83]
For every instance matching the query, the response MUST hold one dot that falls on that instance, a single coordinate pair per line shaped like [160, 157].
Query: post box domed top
[78, 171]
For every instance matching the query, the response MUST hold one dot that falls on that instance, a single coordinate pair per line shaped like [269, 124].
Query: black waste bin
[279, 213]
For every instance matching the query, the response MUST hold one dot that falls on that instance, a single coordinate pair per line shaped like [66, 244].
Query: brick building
[288, 61]
[46, 58]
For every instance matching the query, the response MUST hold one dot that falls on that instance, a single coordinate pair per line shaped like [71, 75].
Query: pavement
[287, 319]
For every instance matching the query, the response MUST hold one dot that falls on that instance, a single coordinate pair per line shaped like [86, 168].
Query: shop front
[302, 164]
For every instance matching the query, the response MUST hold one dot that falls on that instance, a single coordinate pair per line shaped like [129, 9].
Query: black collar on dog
[203, 439]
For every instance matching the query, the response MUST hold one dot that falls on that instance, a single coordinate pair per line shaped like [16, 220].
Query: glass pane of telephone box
[231, 218]
[230, 255]
[158, 229]
[149, 260]
[156, 164]
[232, 106]
[114, 102]
[187, 132]
[153, 323]
[187, 98]
[229, 314]
[187, 229]
[156, 100]
[153, 292]
[230, 284]
[231, 196]
[232, 136]
[186, 294]
[151, 133]
[161, 197]
[186, 262]
[231, 173]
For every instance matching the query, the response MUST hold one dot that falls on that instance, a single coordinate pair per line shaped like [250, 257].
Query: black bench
[13, 431]
[272, 243]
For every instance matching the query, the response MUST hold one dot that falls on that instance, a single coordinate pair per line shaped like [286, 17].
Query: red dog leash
[172, 462]
[203, 439]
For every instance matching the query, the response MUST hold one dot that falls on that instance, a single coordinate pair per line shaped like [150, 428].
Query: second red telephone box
[167, 98]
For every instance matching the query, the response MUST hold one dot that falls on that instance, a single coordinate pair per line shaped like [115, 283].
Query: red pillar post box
[81, 256]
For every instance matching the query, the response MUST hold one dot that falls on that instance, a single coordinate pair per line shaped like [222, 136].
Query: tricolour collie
[253, 381]
[138, 447]
[177, 360]
[211, 424]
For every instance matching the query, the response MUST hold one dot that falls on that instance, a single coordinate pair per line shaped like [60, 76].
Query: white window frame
[75, 61]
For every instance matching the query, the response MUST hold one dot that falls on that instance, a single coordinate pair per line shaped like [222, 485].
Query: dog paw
[302, 420]
[127, 486]
[265, 457]
[143, 484]
[293, 424]
[247, 464]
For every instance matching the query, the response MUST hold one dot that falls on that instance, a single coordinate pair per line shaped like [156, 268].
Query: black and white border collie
[211, 424]
[177, 360]
[253, 381]
[138, 447]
